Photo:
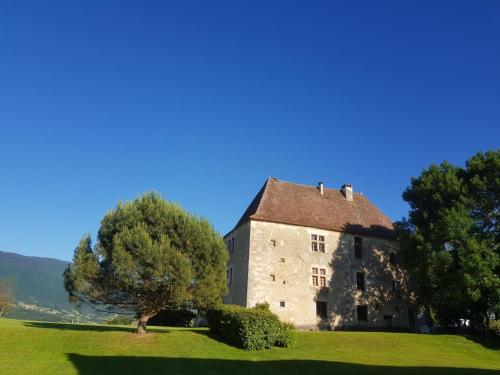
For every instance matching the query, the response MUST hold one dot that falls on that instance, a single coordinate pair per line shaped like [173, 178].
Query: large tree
[450, 242]
[150, 255]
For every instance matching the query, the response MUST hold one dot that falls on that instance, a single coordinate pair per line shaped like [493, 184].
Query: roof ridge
[313, 186]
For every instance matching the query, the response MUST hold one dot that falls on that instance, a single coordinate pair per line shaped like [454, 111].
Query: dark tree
[150, 255]
[450, 242]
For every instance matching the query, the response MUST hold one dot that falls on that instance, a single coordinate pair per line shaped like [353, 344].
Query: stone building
[322, 258]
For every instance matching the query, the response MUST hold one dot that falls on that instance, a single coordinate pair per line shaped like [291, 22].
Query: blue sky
[202, 101]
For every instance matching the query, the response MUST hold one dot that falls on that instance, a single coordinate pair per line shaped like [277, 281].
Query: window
[392, 259]
[230, 245]
[322, 309]
[362, 311]
[358, 247]
[272, 277]
[396, 288]
[322, 282]
[319, 277]
[317, 243]
[230, 278]
[282, 260]
[360, 281]
[272, 243]
[282, 304]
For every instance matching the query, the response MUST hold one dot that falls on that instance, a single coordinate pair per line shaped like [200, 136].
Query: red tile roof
[288, 203]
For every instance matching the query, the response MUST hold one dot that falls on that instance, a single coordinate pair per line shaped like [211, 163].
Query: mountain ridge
[39, 289]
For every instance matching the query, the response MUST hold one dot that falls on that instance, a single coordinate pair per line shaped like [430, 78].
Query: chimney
[347, 191]
[320, 187]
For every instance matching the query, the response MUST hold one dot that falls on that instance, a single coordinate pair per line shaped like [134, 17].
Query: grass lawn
[52, 348]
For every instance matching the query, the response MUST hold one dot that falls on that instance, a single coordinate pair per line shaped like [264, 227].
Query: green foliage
[450, 244]
[150, 255]
[251, 329]
[494, 327]
[120, 320]
[173, 318]
[286, 337]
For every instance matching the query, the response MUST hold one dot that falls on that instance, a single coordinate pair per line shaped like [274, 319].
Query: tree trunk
[141, 325]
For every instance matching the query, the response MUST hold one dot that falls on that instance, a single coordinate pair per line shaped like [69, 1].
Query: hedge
[251, 329]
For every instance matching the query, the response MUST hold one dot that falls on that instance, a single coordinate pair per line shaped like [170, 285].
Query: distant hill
[39, 290]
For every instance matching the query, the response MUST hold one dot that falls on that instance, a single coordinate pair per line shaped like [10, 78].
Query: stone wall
[238, 263]
[280, 263]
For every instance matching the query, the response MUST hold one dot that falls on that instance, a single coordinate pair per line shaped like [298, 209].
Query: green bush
[250, 329]
[494, 327]
[286, 337]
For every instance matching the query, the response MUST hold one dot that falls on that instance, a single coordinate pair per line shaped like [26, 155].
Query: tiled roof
[288, 203]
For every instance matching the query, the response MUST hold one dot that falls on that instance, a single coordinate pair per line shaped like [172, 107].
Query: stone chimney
[347, 191]
[320, 187]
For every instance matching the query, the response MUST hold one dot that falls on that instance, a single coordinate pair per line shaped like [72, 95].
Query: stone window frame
[318, 277]
[318, 243]
[272, 277]
[272, 243]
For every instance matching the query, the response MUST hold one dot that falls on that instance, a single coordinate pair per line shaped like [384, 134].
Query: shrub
[173, 318]
[286, 337]
[120, 320]
[250, 329]
[494, 327]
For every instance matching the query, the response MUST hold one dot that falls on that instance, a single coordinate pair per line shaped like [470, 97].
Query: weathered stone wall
[238, 262]
[290, 261]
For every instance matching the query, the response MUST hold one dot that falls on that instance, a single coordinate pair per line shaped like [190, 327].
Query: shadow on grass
[95, 365]
[208, 333]
[86, 327]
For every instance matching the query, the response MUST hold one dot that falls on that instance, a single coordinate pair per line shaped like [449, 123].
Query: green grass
[51, 348]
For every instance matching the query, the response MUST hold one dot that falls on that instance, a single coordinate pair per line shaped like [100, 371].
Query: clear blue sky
[103, 100]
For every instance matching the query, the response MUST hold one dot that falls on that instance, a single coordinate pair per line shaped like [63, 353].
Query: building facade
[322, 258]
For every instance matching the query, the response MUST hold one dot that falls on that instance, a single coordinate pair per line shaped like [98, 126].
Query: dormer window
[317, 243]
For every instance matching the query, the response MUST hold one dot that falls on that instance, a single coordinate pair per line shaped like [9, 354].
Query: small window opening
[358, 247]
[362, 312]
[360, 281]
